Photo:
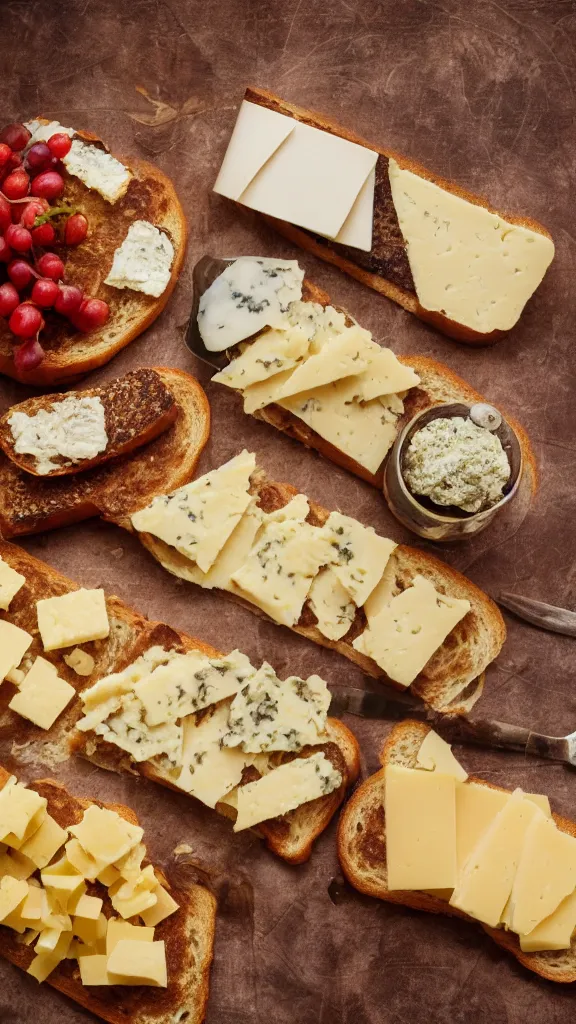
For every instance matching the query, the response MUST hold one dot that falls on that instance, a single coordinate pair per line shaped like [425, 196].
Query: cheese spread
[143, 262]
[453, 461]
[70, 431]
[98, 170]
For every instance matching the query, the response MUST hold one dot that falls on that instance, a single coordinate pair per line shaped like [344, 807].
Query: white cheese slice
[331, 604]
[73, 618]
[357, 228]
[359, 555]
[257, 134]
[285, 788]
[98, 170]
[435, 755]
[10, 583]
[340, 357]
[282, 564]
[252, 293]
[190, 682]
[402, 638]
[125, 728]
[270, 353]
[232, 556]
[257, 396]
[14, 642]
[312, 179]
[198, 518]
[385, 375]
[209, 770]
[468, 263]
[383, 592]
[144, 260]
[267, 714]
[545, 876]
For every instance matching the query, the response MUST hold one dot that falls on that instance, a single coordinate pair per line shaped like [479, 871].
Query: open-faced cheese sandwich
[87, 674]
[83, 909]
[400, 614]
[101, 451]
[442, 253]
[421, 833]
[129, 259]
[311, 371]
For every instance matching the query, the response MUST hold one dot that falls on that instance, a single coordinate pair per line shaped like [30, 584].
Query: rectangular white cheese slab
[357, 228]
[98, 170]
[256, 136]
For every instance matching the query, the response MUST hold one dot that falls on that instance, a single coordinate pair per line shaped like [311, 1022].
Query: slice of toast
[70, 354]
[453, 679]
[30, 504]
[290, 837]
[188, 934]
[438, 385]
[362, 853]
[385, 268]
[137, 408]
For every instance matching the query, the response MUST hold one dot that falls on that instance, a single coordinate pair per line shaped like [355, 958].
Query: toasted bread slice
[362, 853]
[290, 837]
[30, 504]
[453, 679]
[188, 934]
[137, 408]
[70, 354]
[438, 385]
[385, 268]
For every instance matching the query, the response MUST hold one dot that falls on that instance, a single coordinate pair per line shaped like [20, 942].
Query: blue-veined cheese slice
[332, 605]
[270, 353]
[342, 356]
[359, 555]
[405, 634]
[285, 788]
[269, 714]
[232, 556]
[209, 771]
[189, 683]
[197, 519]
[252, 293]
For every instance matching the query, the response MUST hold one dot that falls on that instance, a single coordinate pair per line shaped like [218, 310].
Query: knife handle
[491, 733]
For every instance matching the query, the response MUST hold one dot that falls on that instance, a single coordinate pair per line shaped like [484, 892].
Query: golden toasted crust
[290, 837]
[318, 247]
[188, 934]
[362, 854]
[70, 354]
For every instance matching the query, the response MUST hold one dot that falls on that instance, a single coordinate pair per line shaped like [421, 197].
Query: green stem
[54, 211]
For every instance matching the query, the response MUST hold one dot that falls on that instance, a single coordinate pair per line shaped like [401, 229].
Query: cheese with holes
[270, 353]
[343, 356]
[209, 770]
[105, 836]
[282, 564]
[72, 619]
[42, 695]
[420, 812]
[545, 876]
[10, 583]
[165, 906]
[268, 714]
[332, 605]
[485, 882]
[436, 755]
[252, 293]
[45, 842]
[285, 788]
[135, 963]
[198, 518]
[468, 263]
[14, 642]
[97, 169]
[402, 638]
[359, 555]
[555, 931]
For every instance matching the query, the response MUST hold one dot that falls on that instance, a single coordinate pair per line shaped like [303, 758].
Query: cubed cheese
[119, 930]
[72, 619]
[135, 963]
[18, 808]
[45, 842]
[143, 262]
[164, 907]
[43, 695]
[14, 642]
[285, 788]
[94, 970]
[10, 583]
[104, 835]
[13, 892]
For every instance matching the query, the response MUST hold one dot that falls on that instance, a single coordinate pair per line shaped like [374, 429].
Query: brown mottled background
[482, 92]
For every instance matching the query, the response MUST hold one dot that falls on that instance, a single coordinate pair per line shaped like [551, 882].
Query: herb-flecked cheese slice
[359, 555]
[270, 353]
[285, 788]
[331, 604]
[209, 771]
[267, 714]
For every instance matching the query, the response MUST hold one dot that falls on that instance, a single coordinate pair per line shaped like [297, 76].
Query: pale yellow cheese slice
[359, 555]
[10, 583]
[385, 375]
[420, 812]
[555, 931]
[42, 695]
[14, 642]
[270, 353]
[545, 876]
[332, 605]
[209, 770]
[340, 357]
[436, 755]
[135, 963]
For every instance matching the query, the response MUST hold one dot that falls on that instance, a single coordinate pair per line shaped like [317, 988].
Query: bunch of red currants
[29, 182]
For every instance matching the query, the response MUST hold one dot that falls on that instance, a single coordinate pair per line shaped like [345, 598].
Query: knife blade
[537, 613]
[205, 272]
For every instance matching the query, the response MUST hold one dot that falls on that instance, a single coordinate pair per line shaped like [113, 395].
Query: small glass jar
[425, 517]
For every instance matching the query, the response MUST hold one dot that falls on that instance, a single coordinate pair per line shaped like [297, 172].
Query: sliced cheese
[402, 638]
[555, 931]
[359, 555]
[476, 808]
[209, 770]
[357, 228]
[468, 263]
[258, 396]
[268, 714]
[485, 882]
[256, 136]
[190, 682]
[340, 357]
[10, 583]
[284, 789]
[72, 619]
[385, 375]
[165, 906]
[436, 755]
[332, 605]
[19, 809]
[42, 695]
[105, 836]
[198, 518]
[383, 592]
[134, 963]
[94, 970]
[271, 353]
[545, 876]
[420, 812]
[13, 892]
[14, 642]
[42, 846]
[232, 556]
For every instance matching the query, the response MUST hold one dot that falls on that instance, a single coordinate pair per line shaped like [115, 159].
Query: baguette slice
[362, 853]
[438, 385]
[71, 354]
[385, 268]
[290, 837]
[137, 409]
[453, 679]
[30, 504]
[188, 934]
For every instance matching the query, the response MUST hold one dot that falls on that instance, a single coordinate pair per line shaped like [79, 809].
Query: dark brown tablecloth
[481, 92]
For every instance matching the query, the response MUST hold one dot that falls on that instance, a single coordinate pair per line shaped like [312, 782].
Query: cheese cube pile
[495, 855]
[44, 880]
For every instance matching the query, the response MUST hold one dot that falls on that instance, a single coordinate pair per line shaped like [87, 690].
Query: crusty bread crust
[362, 854]
[71, 355]
[188, 934]
[453, 679]
[404, 298]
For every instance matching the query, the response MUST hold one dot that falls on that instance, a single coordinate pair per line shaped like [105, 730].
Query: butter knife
[454, 728]
[205, 272]
[546, 616]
